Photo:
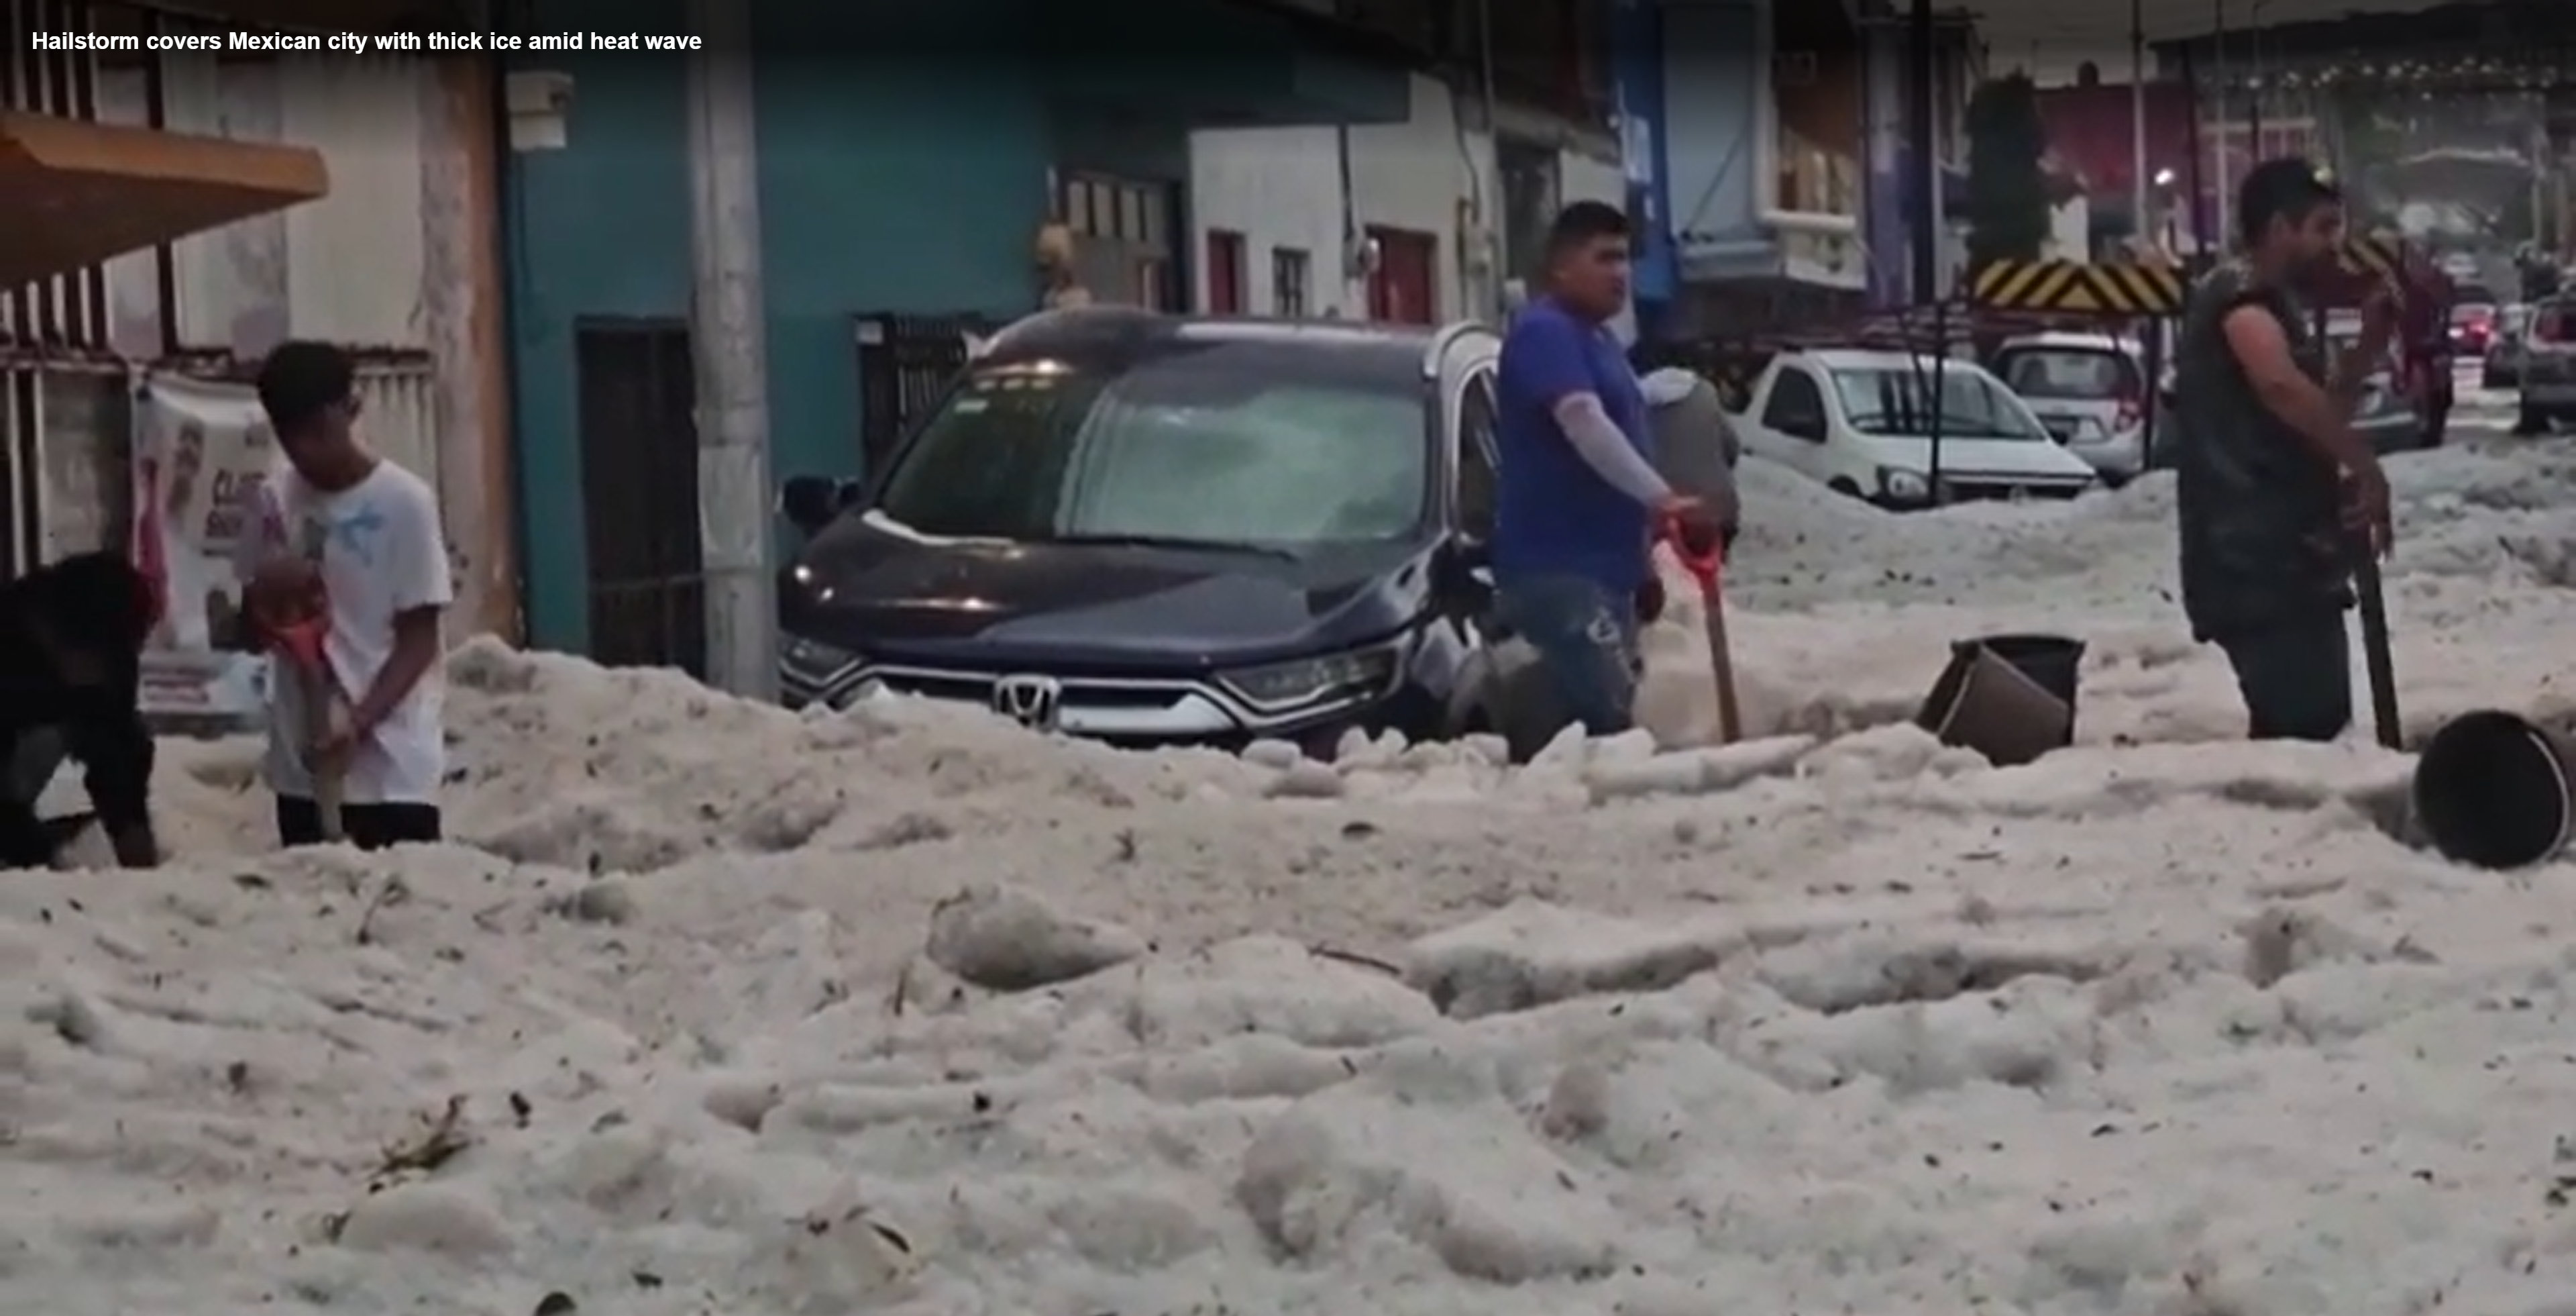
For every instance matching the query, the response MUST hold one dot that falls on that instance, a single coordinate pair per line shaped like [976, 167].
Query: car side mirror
[811, 502]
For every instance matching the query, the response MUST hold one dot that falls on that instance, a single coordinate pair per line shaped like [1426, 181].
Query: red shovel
[1703, 556]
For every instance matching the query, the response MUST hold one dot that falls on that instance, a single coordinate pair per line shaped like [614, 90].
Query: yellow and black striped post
[2065, 286]
[2379, 258]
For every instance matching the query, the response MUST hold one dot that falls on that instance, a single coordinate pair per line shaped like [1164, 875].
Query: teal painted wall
[904, 167]
[599, 228]
[886, 185]
[895, 187]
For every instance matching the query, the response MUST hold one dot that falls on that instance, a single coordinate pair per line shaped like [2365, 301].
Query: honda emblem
[1031, 701]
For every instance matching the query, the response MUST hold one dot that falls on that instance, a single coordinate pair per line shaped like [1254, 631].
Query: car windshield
[1891, 400]
[2070, 373]
[1226, 444]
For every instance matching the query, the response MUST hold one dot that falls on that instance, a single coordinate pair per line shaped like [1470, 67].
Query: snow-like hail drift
[717, 1009]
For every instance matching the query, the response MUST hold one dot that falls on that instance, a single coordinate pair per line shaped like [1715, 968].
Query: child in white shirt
[343, 527]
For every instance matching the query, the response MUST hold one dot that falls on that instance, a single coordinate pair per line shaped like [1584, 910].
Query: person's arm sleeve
[1597, 440]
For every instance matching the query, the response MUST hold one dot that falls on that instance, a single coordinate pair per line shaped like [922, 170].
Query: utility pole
[2139, 222]
[728, 338]
[2219, 73]
[1924, 58]
[2254, 96]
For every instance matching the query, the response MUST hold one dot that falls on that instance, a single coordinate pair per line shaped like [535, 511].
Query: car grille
[977, 688]
[1121, 710]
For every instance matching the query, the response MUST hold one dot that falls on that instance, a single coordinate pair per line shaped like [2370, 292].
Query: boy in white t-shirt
[360, 534]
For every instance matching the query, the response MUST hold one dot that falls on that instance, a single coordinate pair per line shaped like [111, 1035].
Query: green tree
[2008, 210]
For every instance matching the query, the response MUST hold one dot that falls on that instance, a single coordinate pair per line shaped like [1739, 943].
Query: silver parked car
[2548, 382]
[2088, 390]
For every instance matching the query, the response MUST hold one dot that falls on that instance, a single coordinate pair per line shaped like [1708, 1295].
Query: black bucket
[2493, 790]
[2011, 698]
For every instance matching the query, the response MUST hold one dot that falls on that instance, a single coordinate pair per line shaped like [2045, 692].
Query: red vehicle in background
[2473, 325]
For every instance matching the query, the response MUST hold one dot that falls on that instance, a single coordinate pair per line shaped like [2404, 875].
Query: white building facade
[1427, 221]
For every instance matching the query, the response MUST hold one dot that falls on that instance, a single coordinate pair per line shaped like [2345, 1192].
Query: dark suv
[1155, 530]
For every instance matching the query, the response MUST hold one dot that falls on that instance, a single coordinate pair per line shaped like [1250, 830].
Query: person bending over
[352, 540]
[71, 646]
[1577, 497]
[2276, 492]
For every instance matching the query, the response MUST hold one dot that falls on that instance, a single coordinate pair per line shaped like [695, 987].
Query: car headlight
[1314, 680]
[1896, 482]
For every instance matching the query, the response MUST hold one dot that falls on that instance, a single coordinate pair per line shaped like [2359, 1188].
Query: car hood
[871, 587]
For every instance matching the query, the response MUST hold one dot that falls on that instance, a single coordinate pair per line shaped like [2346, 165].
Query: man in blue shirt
[1578, 499]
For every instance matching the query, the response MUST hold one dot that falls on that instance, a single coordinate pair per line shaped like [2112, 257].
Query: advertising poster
[201, 449]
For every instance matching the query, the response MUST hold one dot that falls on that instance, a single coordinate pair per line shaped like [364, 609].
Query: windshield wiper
[1175, 541]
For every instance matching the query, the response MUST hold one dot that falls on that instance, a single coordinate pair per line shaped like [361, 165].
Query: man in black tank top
[2274, 485]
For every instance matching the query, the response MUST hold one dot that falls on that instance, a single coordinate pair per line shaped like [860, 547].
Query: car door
[1793, 412]
[1469, 597]
[1462, 378]
[1477, 410]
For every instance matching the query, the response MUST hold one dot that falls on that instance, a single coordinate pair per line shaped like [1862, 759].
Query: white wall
[1279, 187]
[1282, 187]
[352, 268]
[1415, 175]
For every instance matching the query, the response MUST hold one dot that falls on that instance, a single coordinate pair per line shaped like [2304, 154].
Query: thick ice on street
[721, 1009]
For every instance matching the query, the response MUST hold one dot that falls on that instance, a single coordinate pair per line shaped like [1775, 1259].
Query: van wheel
[1843, 486]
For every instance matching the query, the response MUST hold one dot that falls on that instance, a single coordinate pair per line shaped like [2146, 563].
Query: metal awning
[80, 193]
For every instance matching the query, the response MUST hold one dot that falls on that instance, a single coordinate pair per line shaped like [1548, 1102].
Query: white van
[1857, 421]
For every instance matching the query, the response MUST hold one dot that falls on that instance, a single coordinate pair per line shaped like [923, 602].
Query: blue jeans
[2296, 675]
[1586, 637]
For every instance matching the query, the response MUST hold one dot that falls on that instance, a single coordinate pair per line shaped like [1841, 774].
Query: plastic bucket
[2053, 662]
[2493, 790]
[2011, 698]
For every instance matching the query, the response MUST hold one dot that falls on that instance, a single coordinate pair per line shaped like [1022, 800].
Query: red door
[1225, 272]
[1404, 287]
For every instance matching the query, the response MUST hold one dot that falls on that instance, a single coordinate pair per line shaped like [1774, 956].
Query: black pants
[369, 826]
[2296, 675]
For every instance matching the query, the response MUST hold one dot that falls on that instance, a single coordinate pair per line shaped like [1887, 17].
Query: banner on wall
[201, 449]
